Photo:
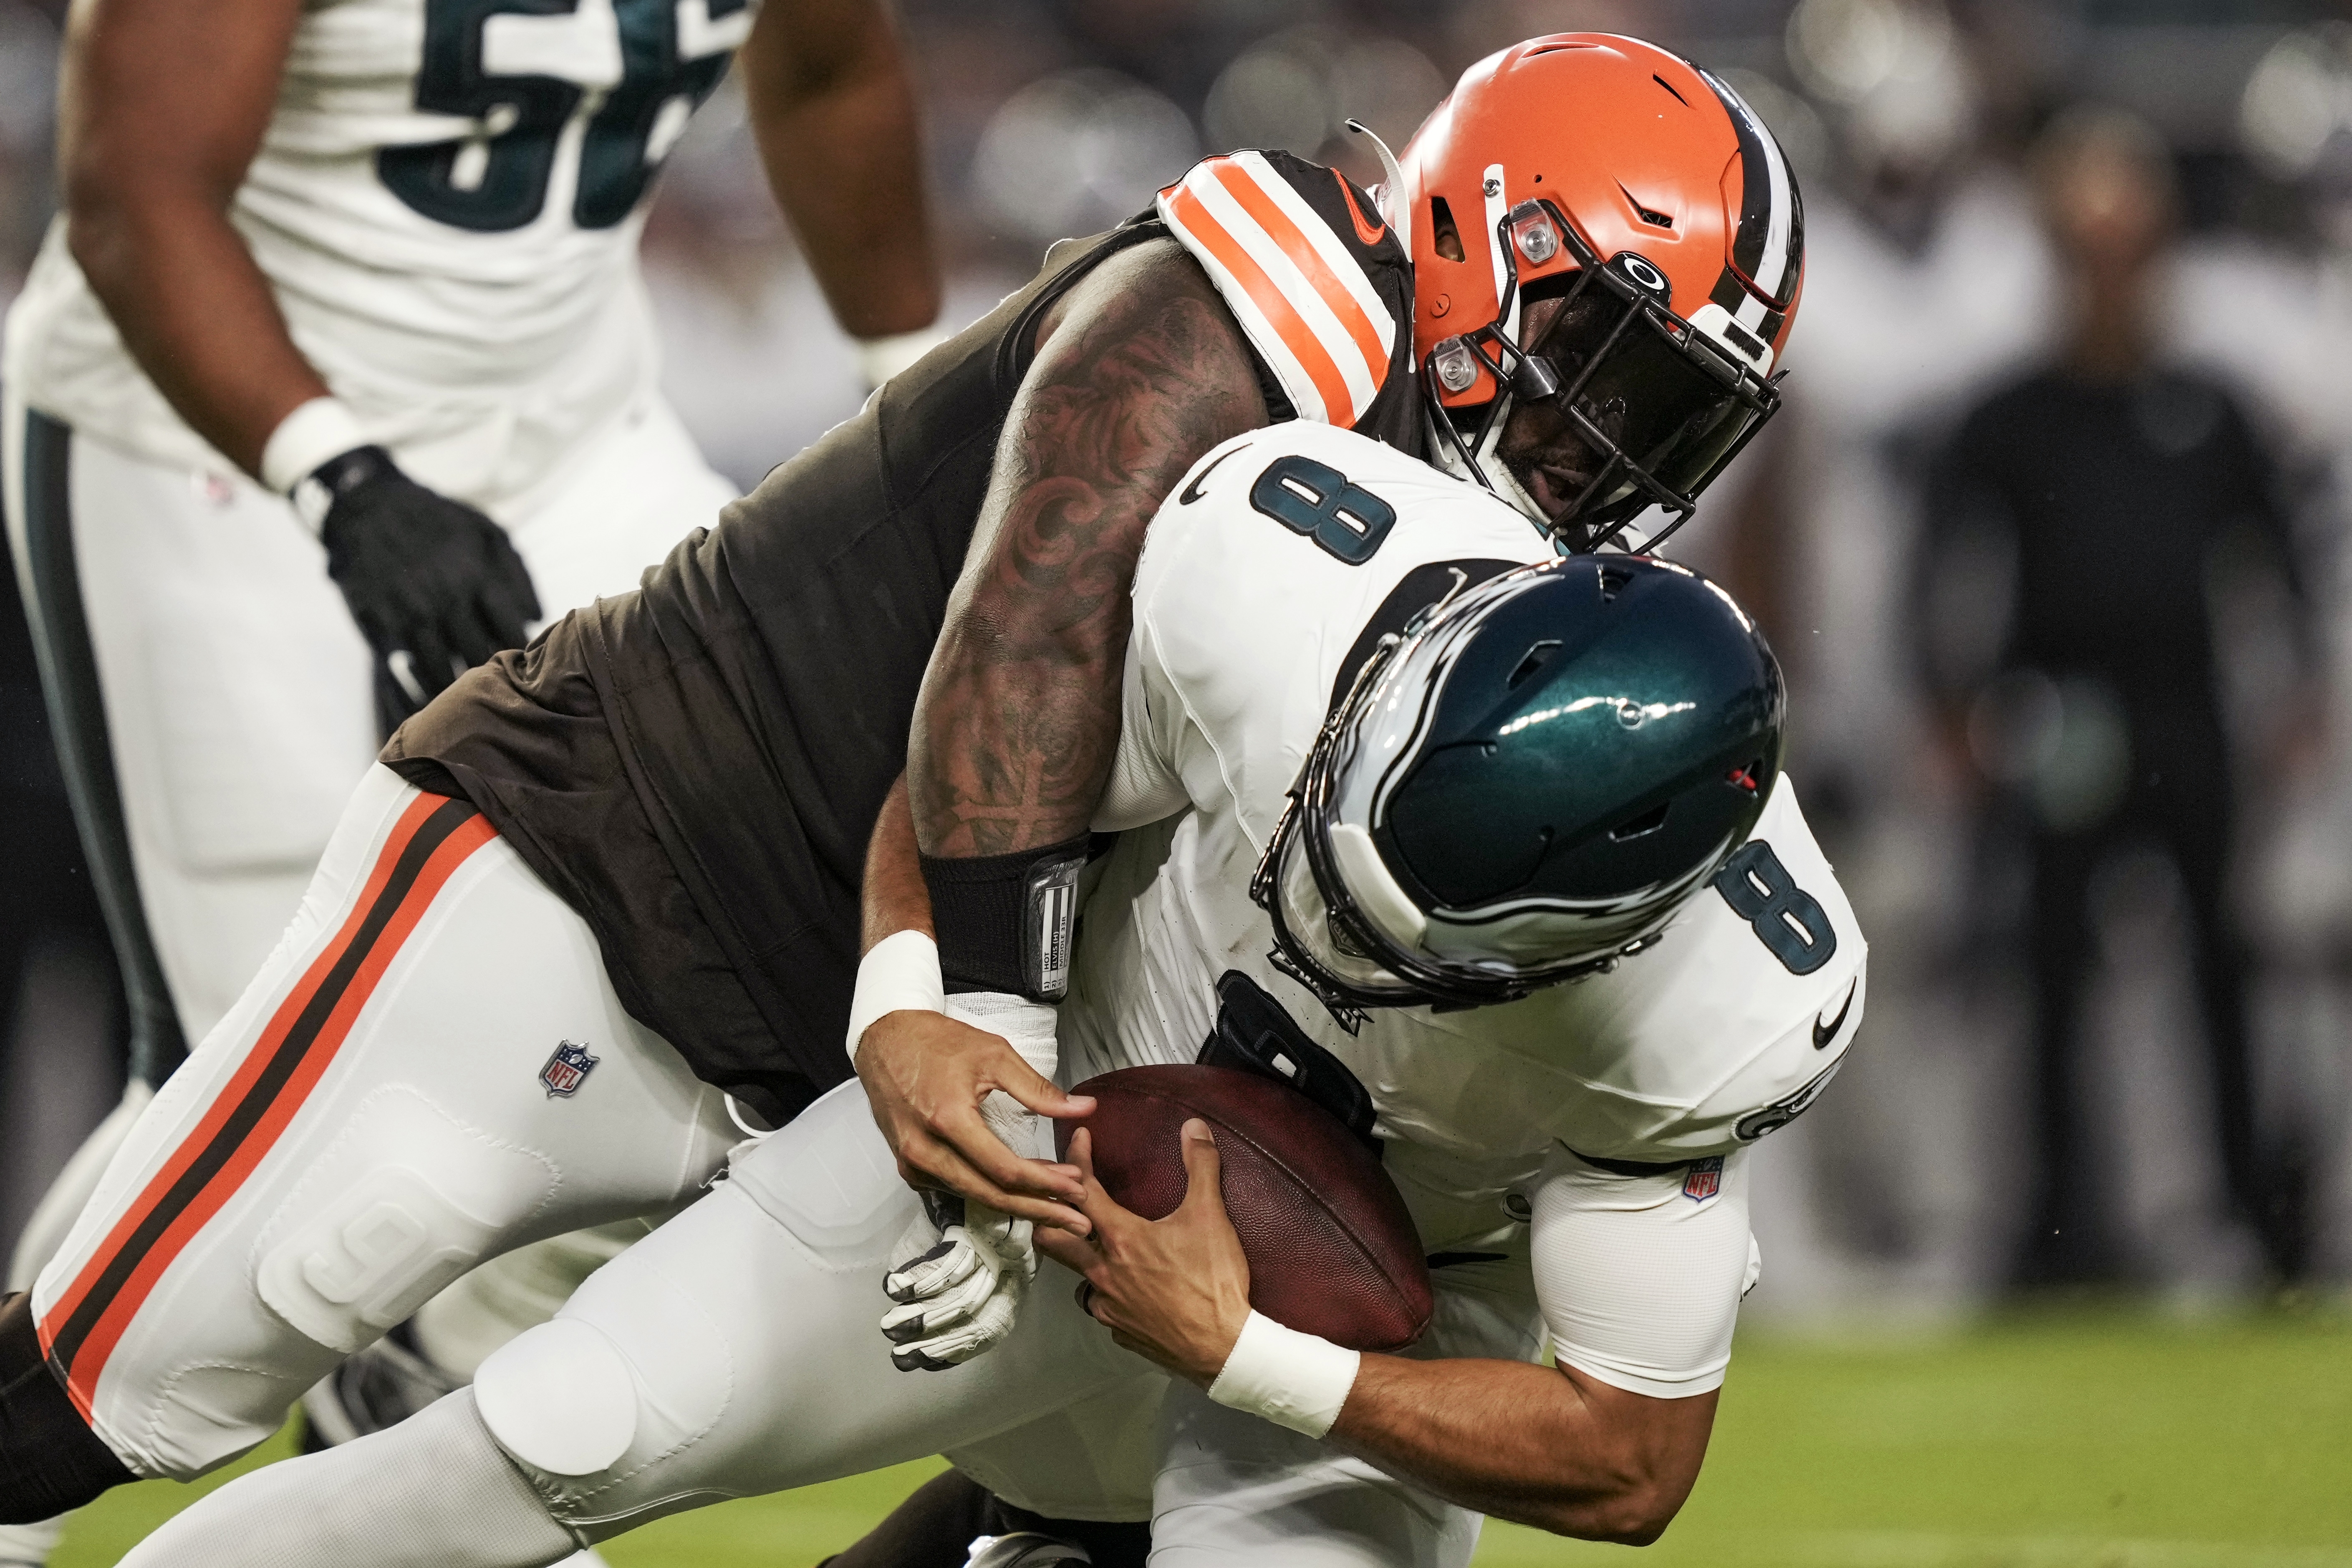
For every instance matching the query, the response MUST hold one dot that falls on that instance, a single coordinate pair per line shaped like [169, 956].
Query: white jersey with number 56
[1265, 581]
[446, 204]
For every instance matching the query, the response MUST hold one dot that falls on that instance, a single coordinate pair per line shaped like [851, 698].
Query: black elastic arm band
[1004, 922]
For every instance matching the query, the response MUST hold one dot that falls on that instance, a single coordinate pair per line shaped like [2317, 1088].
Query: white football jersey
[1248, 608]
[446, 204]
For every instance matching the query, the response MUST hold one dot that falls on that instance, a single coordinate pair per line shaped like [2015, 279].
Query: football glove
[960, 1298]
[435, 587]
[960, 1294]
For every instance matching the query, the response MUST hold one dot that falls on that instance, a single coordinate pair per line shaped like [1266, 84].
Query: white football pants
[238, 712]
[431, 1069]
[735, 1351]
[236, 691]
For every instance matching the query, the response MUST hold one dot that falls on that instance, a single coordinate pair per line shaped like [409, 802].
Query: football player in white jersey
[337, 369]
[1510, 845]
[381, 1109]
[1608, 253]
[336, 375]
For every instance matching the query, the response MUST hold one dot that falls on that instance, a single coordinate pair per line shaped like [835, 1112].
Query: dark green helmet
[1526, 786]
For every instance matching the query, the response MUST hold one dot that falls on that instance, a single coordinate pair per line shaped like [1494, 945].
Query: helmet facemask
[1659, 407]
[1617, 174]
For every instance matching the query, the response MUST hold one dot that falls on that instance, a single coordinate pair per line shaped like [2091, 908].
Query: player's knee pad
[50, 1461]
[561, 1398]
[631, 1377]
[405, 1200]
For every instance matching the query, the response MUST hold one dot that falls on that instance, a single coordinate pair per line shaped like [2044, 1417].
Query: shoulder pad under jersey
[1317, 279]
[1737, 1021]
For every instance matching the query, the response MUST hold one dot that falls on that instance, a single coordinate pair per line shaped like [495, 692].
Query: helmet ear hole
[1443, 233]
[1536, 658]
[1641, 827]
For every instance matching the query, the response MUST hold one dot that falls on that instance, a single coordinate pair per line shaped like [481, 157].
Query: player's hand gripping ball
[1331, 1249]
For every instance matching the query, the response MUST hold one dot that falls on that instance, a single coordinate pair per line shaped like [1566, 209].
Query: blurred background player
[335, 376]
[1935, 281]
[2108, 493]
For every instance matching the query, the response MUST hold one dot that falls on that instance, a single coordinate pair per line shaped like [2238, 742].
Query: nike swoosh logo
[1191, 492]
[1825, 1032]
[1369, 233]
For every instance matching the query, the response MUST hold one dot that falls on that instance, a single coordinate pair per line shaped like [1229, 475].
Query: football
[1331, 1249]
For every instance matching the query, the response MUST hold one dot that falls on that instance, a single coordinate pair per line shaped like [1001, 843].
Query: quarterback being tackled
[1505, 835]
[600, 907]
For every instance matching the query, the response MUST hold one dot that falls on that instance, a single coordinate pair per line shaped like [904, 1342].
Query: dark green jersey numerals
[1788, 920]
[1319, 501]
[499, 182]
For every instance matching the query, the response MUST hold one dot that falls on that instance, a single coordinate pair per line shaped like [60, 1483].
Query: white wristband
[1293, 1380]
[316, 431]
[899, 974]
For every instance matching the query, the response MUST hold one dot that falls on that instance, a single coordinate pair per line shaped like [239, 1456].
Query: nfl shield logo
[1704, 1180]
[569, 1068]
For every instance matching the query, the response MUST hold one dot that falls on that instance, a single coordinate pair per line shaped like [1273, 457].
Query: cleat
[29, 1545]
[1022, 1549]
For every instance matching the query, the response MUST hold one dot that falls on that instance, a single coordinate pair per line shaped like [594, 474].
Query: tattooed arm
[1019, 713]
[1139, 371]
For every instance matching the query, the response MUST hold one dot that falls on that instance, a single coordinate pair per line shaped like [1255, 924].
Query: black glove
[435, 587]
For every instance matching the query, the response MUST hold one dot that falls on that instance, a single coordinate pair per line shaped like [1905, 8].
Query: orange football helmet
[1608, 173]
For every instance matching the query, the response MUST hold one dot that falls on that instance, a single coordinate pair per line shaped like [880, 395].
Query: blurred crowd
[2046, 539]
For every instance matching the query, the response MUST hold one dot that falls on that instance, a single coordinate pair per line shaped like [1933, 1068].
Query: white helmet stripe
[1768, 245]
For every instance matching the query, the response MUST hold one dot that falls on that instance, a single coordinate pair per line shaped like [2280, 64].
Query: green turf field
[2066, 1440]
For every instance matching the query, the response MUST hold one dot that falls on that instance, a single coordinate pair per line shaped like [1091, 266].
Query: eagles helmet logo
[1780, 1112]
[1622, 715]
[566, 1071]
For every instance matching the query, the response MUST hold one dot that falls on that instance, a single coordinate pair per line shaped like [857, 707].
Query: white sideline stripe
[1284, 274]
[1296, 383]
[1327, 246]
[1856, 1549]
